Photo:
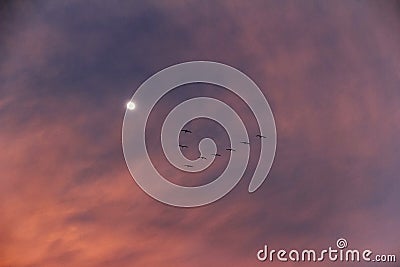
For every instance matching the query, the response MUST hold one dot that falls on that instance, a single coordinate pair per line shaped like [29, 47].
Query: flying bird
[201, 157]
[260, 136]
[186, 131]
[183, 146]
[231, 149]
[216, 155]
[246, 143]
[189, 166]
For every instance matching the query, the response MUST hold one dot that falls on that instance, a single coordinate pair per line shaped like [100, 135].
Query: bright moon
[130, 105]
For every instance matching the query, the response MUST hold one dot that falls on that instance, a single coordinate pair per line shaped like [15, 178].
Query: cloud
[330, 73]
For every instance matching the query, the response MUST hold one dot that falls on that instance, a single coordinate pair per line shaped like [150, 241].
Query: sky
[329, 69]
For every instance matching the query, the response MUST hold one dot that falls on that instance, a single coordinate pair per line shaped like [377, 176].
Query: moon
[130, 105]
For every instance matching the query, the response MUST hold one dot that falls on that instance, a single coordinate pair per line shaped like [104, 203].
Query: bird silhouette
[186, 131]
[201, 157]
[244, 142]
[183, 146]
[260, 136]
[231, 149]
[216, 155]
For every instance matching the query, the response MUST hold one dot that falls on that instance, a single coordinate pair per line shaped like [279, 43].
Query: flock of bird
[186, 131]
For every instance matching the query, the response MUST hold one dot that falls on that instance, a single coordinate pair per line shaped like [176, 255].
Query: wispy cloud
[330, 72]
